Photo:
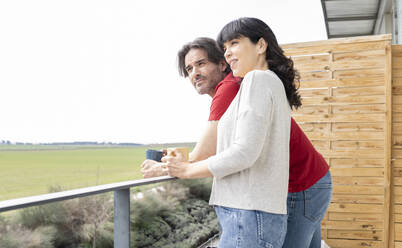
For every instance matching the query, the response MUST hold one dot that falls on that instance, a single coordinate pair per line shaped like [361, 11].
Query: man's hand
[151, 168]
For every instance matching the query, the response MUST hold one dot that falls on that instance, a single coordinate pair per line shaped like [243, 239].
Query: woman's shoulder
[261, 74]
[266, 77]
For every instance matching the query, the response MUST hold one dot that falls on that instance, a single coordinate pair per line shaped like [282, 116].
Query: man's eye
[188, 69]
[234, 42]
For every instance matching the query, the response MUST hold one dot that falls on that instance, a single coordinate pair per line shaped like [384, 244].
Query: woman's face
[243, 56]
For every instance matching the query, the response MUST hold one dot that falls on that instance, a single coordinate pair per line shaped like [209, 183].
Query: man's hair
[210, 46]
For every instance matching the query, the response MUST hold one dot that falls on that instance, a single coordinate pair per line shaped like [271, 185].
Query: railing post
[122, 218]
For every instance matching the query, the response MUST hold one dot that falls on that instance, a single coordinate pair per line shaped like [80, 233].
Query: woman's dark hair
[210, 46]
[254, 29]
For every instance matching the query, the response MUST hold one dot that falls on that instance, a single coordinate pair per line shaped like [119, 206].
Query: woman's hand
[175, 155]
[176, 165]
[179, 169]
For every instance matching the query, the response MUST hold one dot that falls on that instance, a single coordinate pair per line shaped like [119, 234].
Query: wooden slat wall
[396, 197]
[344, 86]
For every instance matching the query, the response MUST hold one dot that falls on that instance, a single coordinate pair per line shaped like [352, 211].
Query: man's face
[203, 74]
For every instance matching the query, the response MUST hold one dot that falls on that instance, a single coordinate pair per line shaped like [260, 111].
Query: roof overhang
[346, 18]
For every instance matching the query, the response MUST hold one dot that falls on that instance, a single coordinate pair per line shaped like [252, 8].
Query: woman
[310, 184]
[251, 167]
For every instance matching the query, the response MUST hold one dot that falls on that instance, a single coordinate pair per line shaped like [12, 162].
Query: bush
[198, 188]
[173, 218]
[17, 237]
[176, 215]
[83, 222]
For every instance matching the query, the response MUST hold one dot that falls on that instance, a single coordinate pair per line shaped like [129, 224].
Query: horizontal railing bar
[24, 202]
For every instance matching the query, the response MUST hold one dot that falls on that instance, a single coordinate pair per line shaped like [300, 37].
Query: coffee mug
[183, 150]
[154, 155]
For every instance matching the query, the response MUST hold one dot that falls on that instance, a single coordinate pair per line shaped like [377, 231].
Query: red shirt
[306, 165]
[225, 91]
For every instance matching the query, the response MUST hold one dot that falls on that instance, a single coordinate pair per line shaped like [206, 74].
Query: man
[308, 170]
[203, 63]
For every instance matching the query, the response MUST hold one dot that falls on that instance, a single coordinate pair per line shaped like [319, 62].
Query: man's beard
[206, 88]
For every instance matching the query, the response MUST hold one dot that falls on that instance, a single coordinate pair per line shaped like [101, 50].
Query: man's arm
[206, 147]
[224, 94]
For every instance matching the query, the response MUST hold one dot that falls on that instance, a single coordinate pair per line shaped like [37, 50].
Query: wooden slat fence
[346, 88]
[396, 163]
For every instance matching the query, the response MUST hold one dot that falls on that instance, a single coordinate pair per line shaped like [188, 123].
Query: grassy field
[31, 171]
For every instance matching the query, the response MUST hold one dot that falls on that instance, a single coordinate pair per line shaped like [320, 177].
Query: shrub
[173, 218]
[198, 188]
[176, 215]
[83, 221]
[18, 236]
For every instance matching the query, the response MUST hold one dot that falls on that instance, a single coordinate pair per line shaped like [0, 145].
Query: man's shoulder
[225, 91]
[230, 78]
[228, 83]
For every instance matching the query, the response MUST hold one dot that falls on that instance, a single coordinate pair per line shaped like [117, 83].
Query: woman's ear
[261, 46]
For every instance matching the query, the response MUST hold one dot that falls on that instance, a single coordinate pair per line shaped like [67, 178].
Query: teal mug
[154, 155]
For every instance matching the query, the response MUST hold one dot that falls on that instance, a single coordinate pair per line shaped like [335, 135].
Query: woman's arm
[188, 170]
[253, 122]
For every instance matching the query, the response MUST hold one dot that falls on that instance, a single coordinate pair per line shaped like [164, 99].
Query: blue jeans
[306, 209]
[250, 228]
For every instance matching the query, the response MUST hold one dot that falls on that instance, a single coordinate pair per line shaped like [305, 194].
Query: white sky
[94, 70]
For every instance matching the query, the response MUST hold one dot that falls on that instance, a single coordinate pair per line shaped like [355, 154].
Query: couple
[271, 188]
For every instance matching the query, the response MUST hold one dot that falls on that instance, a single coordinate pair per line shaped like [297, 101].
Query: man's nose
[194, 72]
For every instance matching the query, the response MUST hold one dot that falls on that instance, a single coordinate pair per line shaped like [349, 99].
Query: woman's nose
[227, 53]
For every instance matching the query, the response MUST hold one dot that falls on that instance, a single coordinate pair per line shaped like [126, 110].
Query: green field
[32, 170]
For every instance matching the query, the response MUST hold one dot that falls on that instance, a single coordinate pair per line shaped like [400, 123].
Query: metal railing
[121, 203]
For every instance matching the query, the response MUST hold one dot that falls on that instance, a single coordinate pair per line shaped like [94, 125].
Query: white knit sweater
[251, 167]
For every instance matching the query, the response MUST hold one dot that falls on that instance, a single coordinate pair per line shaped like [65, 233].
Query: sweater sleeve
[253, 122]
